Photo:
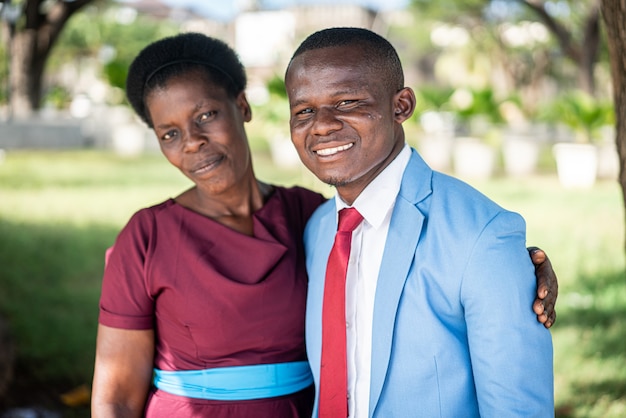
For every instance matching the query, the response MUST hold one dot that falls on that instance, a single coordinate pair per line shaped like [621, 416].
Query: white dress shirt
[375, 204]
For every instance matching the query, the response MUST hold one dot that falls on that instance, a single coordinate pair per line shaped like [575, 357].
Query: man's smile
[325, 152]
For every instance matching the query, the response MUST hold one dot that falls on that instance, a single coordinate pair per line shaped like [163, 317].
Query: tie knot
[349, 219]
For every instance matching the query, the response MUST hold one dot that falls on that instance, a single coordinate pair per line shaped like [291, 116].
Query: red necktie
[334, 370]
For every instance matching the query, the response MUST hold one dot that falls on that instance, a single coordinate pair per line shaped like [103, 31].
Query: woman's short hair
[169, 57]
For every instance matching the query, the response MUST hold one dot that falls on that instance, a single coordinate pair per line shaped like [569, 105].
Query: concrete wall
[43, 134]
[106, 128]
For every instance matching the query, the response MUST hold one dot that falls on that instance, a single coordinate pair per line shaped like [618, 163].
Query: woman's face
[201, 131]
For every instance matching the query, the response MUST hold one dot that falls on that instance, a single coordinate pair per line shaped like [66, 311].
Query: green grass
[59, 211]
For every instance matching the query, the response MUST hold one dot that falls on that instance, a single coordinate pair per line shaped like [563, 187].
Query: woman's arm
[122, 372]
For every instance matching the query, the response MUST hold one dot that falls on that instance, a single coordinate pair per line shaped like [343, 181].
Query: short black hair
[158, 62]
[380, 54]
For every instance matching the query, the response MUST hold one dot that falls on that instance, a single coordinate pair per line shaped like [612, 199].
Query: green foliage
[276, 87]
[57, 96]
[432, 97]
[482, 102]
[570, 13]
[116, 72]
[530, 62]
[581, 112]
[80, 37]
[97, 32]
[449, 9]
[270, 119]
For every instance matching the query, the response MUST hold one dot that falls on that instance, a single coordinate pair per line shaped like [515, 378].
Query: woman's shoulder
[157, 208]
[302, 194]
[299, 199]
[146, 216]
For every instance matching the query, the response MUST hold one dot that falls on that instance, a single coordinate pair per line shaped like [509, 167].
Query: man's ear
[403, 104]
[244, 106]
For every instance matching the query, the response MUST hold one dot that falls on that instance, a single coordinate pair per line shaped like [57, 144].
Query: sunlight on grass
[60, 211]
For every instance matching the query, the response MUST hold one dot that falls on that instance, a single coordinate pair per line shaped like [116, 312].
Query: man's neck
[349, 192]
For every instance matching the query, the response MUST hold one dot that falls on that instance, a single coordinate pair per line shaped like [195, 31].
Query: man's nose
[326, 122]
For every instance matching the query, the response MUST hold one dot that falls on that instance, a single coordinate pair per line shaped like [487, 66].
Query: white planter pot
[473, 159]
[129, 139]
[436, 150]
[608, 161]
[520, 154]
[577, 164]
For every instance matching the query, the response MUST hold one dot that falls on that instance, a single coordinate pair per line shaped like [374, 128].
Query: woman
[202, 306]
[215, 277]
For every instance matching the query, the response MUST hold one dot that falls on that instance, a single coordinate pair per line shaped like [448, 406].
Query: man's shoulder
[313, 226]
[325, 209]
[448, 187]
[438, 183]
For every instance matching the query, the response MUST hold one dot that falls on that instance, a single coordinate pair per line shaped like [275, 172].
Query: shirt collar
[379, 197]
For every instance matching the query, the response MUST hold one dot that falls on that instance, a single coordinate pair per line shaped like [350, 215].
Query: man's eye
[346, 102]
[205, 116]
[306, 111]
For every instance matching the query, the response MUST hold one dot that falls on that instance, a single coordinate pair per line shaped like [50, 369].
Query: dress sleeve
[125, 301]
[311, 201]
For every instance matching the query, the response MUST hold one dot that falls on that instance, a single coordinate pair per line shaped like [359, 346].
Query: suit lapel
[403, 236]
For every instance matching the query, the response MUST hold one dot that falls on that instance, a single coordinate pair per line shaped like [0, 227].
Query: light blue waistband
[236, 383]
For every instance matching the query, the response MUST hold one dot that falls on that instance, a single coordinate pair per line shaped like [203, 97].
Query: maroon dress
[215, 297]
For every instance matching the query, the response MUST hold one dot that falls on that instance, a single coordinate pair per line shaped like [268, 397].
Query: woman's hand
[547, 287]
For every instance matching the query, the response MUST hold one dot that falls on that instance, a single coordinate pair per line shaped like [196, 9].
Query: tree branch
[591, 35]
[563, 36]
[54, 21]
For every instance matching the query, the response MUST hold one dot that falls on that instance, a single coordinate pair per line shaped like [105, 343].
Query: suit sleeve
[511, 352]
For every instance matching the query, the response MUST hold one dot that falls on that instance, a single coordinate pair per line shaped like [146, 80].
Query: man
[439, 280]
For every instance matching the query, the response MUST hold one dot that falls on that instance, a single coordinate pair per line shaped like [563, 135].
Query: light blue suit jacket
[454, 334]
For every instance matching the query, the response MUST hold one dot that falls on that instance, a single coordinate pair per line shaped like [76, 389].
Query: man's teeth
[335, 150]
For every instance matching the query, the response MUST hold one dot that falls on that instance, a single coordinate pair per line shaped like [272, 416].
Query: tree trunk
[590, 50]
[31, 42]
[25, 76]
[614, 15]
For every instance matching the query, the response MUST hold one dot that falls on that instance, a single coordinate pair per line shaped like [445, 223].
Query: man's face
[344, 121]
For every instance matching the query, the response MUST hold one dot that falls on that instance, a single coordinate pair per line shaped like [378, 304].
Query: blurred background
[515, 97]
